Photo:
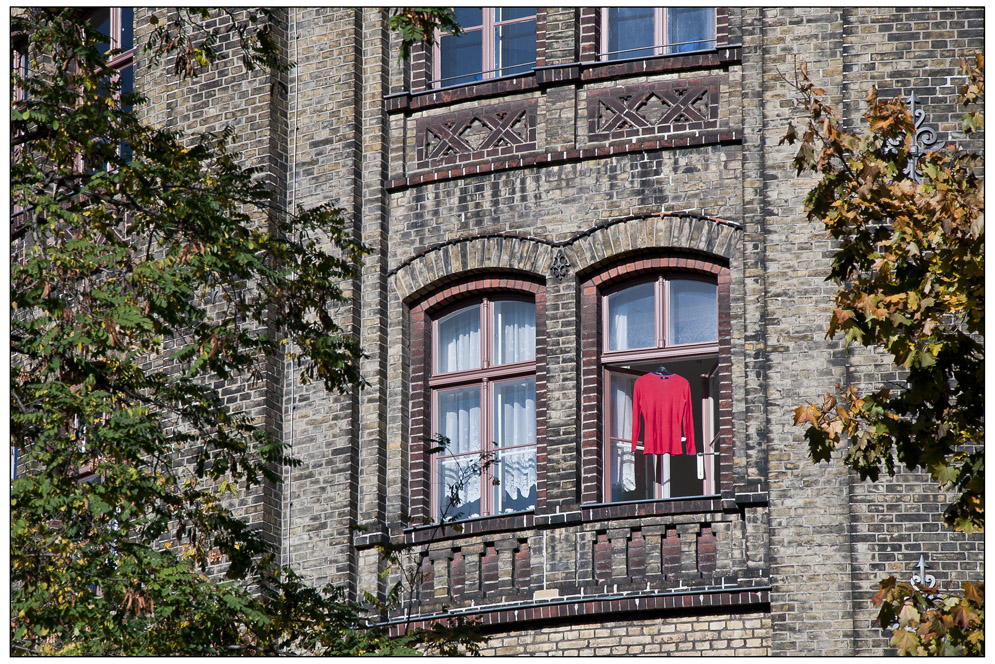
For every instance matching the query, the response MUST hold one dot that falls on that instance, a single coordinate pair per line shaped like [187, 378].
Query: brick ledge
[674, 600]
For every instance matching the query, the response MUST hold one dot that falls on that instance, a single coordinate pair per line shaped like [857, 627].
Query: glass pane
[514, 332]
[630, 318]
[458, 420]
[690, 28]
[693, 312]
[127, 28]
[101, 18]
[632, 474]
[127, 84]
[458, 345]
[461, 58]
[515, 412]
[630, 28]
[459, 487]
[468, 17]
[509, 13]
[517, 48]
[515, 471]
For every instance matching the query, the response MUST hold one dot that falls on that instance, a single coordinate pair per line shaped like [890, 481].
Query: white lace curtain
[630, 318]
[623, 461]
[515, 424]
[459, 340]
[514, 332]
[459, 421]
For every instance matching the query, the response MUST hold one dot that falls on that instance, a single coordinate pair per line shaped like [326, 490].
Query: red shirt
[665, 403]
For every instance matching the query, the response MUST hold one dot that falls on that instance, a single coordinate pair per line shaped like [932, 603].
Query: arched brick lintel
[587, 252]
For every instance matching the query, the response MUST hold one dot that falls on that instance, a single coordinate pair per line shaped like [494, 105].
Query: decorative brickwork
[690, 105]
[474, 135]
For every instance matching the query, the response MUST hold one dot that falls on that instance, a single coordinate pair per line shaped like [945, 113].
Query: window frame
[489, 48]
[660, 46]
[611, 361]
[485, 377]
[607, 277]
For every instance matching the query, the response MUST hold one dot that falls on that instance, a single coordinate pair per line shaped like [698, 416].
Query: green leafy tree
[909, 265]
[147, 268]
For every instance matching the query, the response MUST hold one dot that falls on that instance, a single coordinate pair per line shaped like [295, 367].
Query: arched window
[477, 414]
[657, 365]
[666, 329]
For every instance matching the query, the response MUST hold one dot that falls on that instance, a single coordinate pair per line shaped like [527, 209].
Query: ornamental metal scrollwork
[922, 142]
[560, 266]
[923, 580]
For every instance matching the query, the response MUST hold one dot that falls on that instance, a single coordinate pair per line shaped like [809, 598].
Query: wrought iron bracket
[922, 142]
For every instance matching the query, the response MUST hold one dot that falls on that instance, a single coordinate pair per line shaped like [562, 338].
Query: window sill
[660, 506]
[568, 73]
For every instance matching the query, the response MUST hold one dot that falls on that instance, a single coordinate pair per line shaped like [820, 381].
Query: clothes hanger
[663, 371]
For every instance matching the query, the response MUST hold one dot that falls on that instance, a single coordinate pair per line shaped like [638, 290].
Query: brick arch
[422, 312]
[696, 237]
[524, 257]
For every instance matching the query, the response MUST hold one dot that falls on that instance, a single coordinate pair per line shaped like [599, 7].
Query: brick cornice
[680, 600]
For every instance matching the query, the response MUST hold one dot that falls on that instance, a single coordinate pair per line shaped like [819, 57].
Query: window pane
[459, 340]
[509, 13]
[459, 488]
[461, 58]
[516, 474]
[514, 332]
[630, 28]
[690, 28]
[515, 412]
[632, 474]
[468, 17]
[517, 48]
[458, 420]
[630, 318]
[101, 19]
[693, 312]
[127, 28]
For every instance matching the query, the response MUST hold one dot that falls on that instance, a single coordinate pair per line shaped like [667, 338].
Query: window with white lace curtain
[667, 323]
[483, 385]
[643, 32]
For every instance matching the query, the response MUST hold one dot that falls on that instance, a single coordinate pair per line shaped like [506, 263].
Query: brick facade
[558, 183]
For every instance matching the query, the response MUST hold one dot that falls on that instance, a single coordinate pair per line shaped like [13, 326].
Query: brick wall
[581, 163]
[711, 635]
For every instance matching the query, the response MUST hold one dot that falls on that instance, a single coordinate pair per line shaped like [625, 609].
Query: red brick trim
[567, 156]
[540, 36]
[592, 464]
[590, 34]
[419, 467]
[678, 602]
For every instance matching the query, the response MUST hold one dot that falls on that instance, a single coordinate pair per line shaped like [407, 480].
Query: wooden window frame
[611, 362]
[484, 377]
[660, 46]
[489, 47]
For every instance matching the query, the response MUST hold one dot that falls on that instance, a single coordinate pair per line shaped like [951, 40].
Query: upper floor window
[115, 28]
[496, 42]
[483, 386]
[642, 32]
[659, 355]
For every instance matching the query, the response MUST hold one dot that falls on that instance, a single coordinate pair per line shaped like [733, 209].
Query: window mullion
[488, 43]
[662, 313]
[660, 18]
[487, 435]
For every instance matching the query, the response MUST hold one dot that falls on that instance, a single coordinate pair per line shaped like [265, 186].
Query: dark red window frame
[424, 382]
[593, 463]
